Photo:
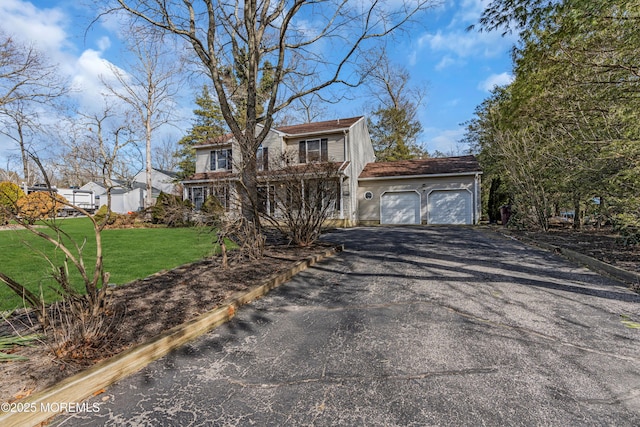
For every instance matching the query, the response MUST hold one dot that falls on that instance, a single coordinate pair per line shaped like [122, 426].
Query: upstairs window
[221, 160]
[313, 150]
[262, 158]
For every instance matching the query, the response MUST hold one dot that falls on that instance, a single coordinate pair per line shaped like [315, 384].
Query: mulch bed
[145, 308]
[603, 245]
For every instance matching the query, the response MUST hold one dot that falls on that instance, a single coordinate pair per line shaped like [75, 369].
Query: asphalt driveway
[409, 326]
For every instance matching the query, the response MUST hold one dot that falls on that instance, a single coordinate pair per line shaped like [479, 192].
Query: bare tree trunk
[149, 197]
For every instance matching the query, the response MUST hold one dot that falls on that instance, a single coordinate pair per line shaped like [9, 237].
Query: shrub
[40, 205]
[171, 211]
[10, 193]
[115, 220]
[101, 216]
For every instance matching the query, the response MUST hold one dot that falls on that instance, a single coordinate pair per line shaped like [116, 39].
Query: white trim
[434, 175]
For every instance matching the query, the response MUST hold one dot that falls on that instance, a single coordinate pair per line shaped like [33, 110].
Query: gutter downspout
[346, 158]
[341, 215]
[475, 210]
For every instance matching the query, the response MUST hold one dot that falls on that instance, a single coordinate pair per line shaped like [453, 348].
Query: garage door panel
[450, 207]
[400, 208]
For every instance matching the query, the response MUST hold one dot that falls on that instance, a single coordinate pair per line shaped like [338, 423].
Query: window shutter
[324, 150]
[212, 161]
[302, 152]
[229, 160]
[265, 158]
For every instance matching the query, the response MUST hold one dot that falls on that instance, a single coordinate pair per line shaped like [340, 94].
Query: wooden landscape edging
[41, 406]
[593, 264]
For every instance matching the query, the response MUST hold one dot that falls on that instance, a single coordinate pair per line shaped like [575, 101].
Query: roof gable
[301, 129]
[319, 127]
[431, 166]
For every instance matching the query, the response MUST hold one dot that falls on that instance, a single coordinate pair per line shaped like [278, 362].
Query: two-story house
[344, 143]
[426, 191]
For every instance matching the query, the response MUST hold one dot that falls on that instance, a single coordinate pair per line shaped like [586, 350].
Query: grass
[7, 343]
[129, 254]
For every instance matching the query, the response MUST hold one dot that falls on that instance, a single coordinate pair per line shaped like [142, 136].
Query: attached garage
[449, 207]
[400, 207]
[428, 191]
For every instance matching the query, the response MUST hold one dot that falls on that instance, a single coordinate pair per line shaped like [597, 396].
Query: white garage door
[400, 208]
[449, 207]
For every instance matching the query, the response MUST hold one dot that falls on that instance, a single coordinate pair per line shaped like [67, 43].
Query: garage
[443, 190]
[402, 207]
[449, 207]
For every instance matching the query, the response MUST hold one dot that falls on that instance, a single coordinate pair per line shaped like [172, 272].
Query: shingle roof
[306, 168]
[433, 166]
[209, 176]
[319, 126]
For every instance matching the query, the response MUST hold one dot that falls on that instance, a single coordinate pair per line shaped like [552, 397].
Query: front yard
[129, 254]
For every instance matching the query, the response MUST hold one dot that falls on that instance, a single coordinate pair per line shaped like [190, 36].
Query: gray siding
[360, 153]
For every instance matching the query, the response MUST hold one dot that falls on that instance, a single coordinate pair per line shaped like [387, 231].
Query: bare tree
[27, 83]
[100, 146]
[164, 155]
[149, 86]
[25, 74]
[253, 38]
[21, 126]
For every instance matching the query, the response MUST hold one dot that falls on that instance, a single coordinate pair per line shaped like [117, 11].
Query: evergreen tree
[394, 124]
[208, 124]
[393, 135]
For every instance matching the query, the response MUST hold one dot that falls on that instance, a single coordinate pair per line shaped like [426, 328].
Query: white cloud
[445, 141]
[494, 80]
[43, 27]
[445, 62]
[456, 44]
[463, 44]
[104, 43]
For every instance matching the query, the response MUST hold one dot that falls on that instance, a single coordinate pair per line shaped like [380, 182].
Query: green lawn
[129, 254]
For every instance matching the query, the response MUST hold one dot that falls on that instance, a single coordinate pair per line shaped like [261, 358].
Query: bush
[171, 211]
[40, 205]
[10, 193]
[115, 220]
[101, 216]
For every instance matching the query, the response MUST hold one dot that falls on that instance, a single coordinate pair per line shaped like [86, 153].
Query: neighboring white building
[129, 196]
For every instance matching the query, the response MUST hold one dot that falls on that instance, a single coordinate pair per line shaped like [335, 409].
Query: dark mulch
[603, 244]
[148, 307]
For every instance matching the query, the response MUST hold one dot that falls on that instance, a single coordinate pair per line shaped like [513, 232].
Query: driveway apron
[409, 326]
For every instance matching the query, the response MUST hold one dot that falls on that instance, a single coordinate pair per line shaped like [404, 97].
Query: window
[221, 160]
[262, 158]
[197, 196]
[221, 192]
[313, 150]
[266, 199]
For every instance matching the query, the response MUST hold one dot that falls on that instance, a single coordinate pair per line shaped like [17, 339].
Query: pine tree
[393, 135]
[208, 124]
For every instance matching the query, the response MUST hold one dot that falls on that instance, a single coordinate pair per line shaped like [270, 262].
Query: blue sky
[458, 67]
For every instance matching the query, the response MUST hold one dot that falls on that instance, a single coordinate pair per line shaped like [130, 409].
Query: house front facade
[429, 191]
[344, 144]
